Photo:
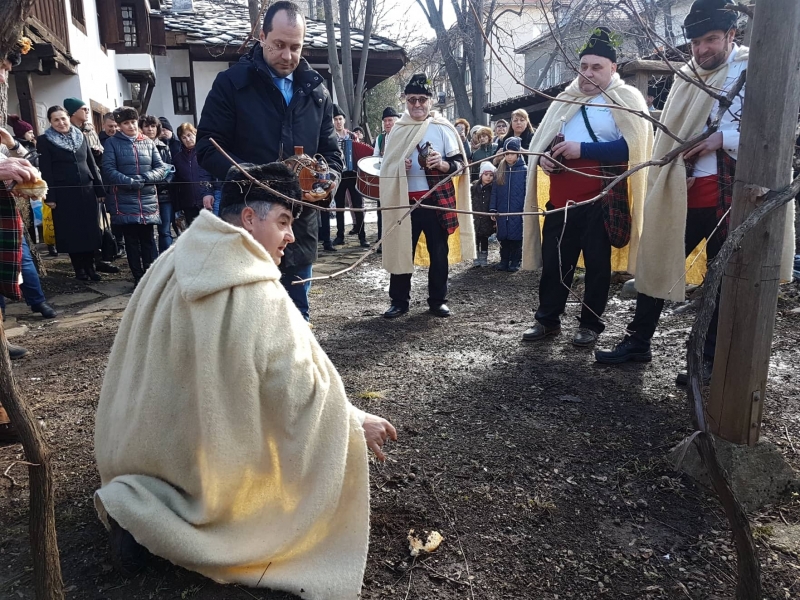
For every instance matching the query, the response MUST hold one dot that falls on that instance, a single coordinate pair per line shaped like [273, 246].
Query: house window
[181, 98]
[77, 12]
[129, 30]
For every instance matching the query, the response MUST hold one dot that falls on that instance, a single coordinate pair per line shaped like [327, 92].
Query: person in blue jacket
[508, 196]
[132, 166]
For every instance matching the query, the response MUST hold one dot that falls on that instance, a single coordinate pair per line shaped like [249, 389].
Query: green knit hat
[73, 104]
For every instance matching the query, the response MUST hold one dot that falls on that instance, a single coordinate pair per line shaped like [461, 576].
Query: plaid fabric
[726, 170]
[10, 246]
[445, 196]
[616, 210]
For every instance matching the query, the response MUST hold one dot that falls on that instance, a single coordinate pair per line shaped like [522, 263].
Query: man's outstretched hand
[17, 169]
[378, 431]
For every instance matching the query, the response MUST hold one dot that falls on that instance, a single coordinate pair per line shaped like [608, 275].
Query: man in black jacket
[259, 110]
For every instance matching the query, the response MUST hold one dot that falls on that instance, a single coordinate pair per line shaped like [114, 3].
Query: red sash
[566, 185]
[704, 193]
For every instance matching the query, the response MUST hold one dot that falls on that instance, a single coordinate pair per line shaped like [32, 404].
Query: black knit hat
[601, 43]
[419, 84]
[125, 113]
[337, 111]
[389, 112]
[238, 189]
[708, 15]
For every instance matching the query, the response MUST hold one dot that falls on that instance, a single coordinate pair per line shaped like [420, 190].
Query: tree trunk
[333, 57]
[347, 60]
[455, 75]
[254, 8]
[357, 109]
[478, 66]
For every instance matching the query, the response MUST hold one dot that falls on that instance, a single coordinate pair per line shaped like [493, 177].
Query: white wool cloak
[662, 262]
[223, 437]
[397, 250]
[638, 134]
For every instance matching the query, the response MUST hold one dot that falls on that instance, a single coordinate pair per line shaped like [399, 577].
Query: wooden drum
[369, 177]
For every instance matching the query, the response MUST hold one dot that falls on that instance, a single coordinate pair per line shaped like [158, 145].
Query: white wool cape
[662, 265]
[223, 436]
[638, 134]
[400, 145]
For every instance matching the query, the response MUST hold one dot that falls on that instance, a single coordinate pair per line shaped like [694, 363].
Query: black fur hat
[125, 113]
[389, 112]
[419, 84]
[709, 15]
[601, 43]
[238, 189]
[338, 112]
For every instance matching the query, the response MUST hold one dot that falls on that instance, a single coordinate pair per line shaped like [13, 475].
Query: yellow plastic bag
[48, 228]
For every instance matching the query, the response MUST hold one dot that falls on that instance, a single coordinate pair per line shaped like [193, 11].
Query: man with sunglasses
[425, 150]
[259, 110]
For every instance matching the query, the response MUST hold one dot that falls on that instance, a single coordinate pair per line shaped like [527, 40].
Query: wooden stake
[750, 284]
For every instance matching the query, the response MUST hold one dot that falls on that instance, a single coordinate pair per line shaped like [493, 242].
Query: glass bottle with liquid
[557, 140]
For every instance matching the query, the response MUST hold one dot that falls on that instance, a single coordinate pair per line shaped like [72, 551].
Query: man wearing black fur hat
[687, 199]
[425, 148]
[260, 109]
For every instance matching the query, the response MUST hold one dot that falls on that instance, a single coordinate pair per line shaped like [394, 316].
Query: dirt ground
[544, 472]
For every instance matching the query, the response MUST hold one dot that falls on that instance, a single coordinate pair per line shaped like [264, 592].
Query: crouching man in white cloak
[224, 439]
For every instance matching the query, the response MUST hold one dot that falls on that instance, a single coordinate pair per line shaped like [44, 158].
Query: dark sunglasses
[421, 100]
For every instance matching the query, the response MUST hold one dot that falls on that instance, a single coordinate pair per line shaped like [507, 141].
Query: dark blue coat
[131, 168]
[246, 115]
[510, 198]
[192, 182]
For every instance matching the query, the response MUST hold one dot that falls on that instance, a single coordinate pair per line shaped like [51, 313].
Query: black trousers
[191, 214]
[700, 222]
[356, 201]
[139, 246]
[426, 221]
[585, 231]
[510, 251]
[324, 220]
[82, 262]
[482, 243]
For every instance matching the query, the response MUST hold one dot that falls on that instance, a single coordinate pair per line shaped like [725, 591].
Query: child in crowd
[481, 201]
[508, 196]
[132, 166]
[484, 150]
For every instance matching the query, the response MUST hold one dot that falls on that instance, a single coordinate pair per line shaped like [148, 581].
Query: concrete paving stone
[17, 331]
[112, 288]
[18, 309]
[113, 303]
[80, 320]
[70, 299]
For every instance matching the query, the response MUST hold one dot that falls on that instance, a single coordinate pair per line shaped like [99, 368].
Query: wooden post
[750, 284]
[27, 101]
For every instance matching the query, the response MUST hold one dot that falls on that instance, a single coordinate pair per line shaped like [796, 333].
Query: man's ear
[248, 217]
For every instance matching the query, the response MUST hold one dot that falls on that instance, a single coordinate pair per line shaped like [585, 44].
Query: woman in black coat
[76, 187]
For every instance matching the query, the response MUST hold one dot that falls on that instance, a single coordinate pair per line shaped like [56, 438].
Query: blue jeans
[31, 286]
[164, 230]
[217, 198]
[298, 293]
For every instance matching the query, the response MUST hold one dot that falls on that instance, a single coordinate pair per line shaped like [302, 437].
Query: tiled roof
[226, 22]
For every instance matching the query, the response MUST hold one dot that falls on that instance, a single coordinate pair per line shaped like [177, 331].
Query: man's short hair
[238, 191]
[108, 117]
[293, 12]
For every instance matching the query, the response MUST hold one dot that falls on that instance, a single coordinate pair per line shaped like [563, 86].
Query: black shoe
[328, 247]
[395, 311]
[708, 367]
[539, 332]
[513, 267]
[8, 434]
[338, 241]
[352, 232]
[51, 251]
[127, 555]
[47, 311]
[440, 311]
[15, 352]
[584, 337]
[93, 275]
[364, 244]
[379, 250]
[105, 267]
[628, 349]
[501, 266]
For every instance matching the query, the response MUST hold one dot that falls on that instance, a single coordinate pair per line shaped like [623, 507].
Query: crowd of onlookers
[133, 187]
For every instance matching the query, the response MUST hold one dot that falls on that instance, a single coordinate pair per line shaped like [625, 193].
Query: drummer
[389, 118]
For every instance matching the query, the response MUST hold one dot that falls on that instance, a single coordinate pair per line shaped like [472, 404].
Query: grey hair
[233, 212]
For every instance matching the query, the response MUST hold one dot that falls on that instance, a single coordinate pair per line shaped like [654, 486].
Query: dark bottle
[557, 140]
[689, 164]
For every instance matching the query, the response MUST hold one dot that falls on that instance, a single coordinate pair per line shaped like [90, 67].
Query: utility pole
[750, 284]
